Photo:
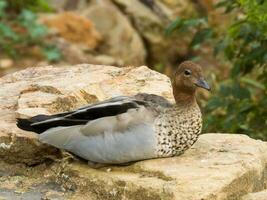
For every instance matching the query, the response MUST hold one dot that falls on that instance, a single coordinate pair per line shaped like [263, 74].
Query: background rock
[132, 33]
[151, 23]
[139, 27]
[74, 28]
[120, 39]
[97, 33]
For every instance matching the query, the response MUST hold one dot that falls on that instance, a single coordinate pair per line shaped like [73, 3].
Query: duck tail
[26, 124]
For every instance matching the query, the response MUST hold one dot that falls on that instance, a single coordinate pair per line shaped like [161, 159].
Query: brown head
[187, 78]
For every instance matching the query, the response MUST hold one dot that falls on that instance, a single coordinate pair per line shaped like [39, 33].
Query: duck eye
[187, 72]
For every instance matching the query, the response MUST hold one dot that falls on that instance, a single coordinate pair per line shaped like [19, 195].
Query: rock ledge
[217, 167]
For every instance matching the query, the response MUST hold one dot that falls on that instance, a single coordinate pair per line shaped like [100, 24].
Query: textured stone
[49, 90]
[151, 23]
[74, 28]
[262, 195]
[217, 167]
[6, 63]
[120, 39]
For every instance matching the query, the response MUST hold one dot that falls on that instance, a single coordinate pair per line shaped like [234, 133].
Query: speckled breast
[177, 130]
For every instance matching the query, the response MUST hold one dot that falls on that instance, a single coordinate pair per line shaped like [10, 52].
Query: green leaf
[252, 82]
[7, 32]
[265, 57]
[229, 52]
[244, 29]
[240, 92]
[27, 17]
[256, 54]
[40, 5]
[173, 26]
[220, 46]
[195, 22]
[202, 35]
[221, 4]
[225, 91]
[37, 31]
[236, 70]
[214, 103]
[3, 6]
[244, 127]
[245, 106]
[52, 54]
[260, 1]
[184, 24]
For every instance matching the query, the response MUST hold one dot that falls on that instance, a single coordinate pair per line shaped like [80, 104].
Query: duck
[124, 129]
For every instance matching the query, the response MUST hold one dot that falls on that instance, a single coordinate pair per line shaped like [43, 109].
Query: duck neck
[184, 98]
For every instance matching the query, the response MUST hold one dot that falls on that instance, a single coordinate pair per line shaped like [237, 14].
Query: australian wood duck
[128, 128]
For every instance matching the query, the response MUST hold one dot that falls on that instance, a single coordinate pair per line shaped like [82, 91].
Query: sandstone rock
[218, 167]
[120, 43]
[74, 28]
[262, 195]
[49, 90]
[120, 39]
[6, 63]
[147, 20]
[152, 24]
[75, 53]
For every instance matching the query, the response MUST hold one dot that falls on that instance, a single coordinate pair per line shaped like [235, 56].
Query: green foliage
[198, 25]
[239, 103]
[52, 53]
[19, 31]
[33, 5]
[244, 108]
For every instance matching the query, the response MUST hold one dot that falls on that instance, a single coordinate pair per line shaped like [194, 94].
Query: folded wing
[81, 116]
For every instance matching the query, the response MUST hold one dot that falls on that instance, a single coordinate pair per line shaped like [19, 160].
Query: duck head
[187, 78]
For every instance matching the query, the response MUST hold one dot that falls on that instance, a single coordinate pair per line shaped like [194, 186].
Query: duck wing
[81, 116]
[153, 99]
[118, 130]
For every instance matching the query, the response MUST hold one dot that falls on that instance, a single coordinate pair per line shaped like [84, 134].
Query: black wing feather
[114, 106]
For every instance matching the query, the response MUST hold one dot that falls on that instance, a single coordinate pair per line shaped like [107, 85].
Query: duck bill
[203, 84]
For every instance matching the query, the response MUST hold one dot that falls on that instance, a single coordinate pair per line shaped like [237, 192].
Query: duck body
[124, 129]
[149, 128]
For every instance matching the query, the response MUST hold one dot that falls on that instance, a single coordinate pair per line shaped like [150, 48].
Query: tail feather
[26, 124]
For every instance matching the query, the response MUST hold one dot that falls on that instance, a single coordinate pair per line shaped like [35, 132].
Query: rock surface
[49, 90]
[137, 25]
[262, 195]
[218, 167]
[151, 24]
[120, 39]
[97, 33]
[122, 33]
[74, 28]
